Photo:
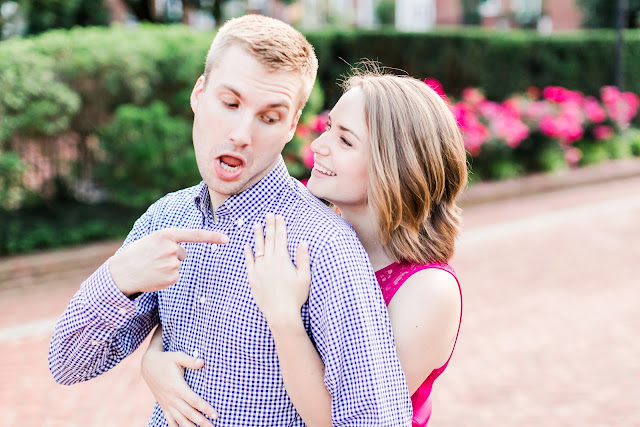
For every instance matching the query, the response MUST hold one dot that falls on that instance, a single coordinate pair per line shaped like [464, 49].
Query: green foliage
[603, 13]
[44, 15]
[62, 224]
[386, 12]
[11, 170]
[496, 161]
[131, 87]
[34, 103]
[148, 154]
[499, 63]
[470, 14]
[593, 152]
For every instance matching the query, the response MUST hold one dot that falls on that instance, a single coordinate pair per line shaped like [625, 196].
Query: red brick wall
[448, 12]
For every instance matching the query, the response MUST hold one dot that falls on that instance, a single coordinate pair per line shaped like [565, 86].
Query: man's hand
[153, 262]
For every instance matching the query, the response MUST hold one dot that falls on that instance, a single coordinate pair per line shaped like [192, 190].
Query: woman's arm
[164, 374]
[280, 289]
[425, 314]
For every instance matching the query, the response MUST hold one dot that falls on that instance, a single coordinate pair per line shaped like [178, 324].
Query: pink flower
[303, 130]
[307, 156]
[548, 126]
[633, 102]
[593, 110]
[622, 107]
[304, 182]
[603, 132]
[474, 132]
[472, 96]
[572, 156]
[319, 124]
[559, 94]
[437, 87]
[511, 130]
[513, 107]
[537, 109]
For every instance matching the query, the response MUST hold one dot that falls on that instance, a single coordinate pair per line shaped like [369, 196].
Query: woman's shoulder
[433, 283]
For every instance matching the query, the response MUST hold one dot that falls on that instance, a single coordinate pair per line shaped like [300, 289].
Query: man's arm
[107, 319]
[101, 326]
[352, 332]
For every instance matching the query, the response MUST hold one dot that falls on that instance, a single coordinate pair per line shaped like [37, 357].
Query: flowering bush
[538, 130]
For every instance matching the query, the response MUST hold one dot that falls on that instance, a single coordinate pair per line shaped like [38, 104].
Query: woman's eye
[345, 142]
[327, 126]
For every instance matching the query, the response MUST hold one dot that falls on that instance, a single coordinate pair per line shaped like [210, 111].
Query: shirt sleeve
[352, 332]
[100, 326]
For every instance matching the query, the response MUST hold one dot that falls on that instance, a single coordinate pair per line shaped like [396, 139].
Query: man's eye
[230, 104]
[269, 120]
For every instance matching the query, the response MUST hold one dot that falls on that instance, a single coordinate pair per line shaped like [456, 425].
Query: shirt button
[240, 222]
[95, 342]
[122, 311]
[196, 353]
[214, 247]
[203, 300]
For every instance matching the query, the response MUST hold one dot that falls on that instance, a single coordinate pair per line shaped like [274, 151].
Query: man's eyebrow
[232, 90]
[283, 104]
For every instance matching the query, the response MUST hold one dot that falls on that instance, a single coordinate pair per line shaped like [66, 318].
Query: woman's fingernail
[269, 215]
[214, 415]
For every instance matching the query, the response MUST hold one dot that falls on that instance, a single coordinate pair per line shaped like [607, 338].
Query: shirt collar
[251, 200]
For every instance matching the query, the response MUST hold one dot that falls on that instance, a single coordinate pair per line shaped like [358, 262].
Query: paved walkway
[549, 335]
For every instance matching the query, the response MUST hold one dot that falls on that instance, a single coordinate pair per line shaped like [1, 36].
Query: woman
[392, 161]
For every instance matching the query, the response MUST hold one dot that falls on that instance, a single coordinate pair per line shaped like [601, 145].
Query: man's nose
[241, 130]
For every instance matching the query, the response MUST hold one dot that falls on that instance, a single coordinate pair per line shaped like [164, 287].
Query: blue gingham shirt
[210, 313]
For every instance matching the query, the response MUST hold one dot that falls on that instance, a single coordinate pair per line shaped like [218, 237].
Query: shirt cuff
[107, 301]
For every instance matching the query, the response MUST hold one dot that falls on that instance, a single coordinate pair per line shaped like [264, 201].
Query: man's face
[243, 117]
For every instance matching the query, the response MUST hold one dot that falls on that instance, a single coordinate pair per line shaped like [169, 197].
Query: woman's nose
[319, 145]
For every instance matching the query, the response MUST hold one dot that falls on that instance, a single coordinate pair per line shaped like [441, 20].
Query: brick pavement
[551, 307]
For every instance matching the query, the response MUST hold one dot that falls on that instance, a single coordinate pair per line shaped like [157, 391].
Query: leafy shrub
[147, 154]
[11, 170]
[62, 224]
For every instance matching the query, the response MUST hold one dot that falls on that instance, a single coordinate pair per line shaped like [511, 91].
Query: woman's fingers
[281, 236]
[170, 421]
[303, 262]
[185, 361]
[251, 268]
[269, 233]
[203, 407]
[258, 236]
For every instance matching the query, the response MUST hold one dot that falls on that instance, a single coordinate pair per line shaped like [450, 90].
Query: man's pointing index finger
[197, 236]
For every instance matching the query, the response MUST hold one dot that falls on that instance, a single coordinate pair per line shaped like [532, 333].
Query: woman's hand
[279, 288]
[164, 374]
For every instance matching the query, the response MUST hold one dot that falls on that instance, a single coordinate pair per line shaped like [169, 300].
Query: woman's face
[341, 154]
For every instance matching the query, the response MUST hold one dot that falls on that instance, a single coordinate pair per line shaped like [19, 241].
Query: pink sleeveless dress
[390, 279]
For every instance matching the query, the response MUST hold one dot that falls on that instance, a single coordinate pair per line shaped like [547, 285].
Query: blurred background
[95, 125]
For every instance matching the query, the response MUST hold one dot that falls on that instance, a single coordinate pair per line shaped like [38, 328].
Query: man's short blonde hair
[275, 44]
[417, 166]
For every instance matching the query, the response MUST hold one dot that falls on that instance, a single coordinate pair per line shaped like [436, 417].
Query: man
[182, 265]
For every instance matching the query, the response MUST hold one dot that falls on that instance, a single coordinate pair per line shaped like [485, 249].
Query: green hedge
[501, 63]
[102, 84]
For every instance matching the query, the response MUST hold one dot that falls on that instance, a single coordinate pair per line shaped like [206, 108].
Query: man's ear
[196, 92]
[294, 125]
